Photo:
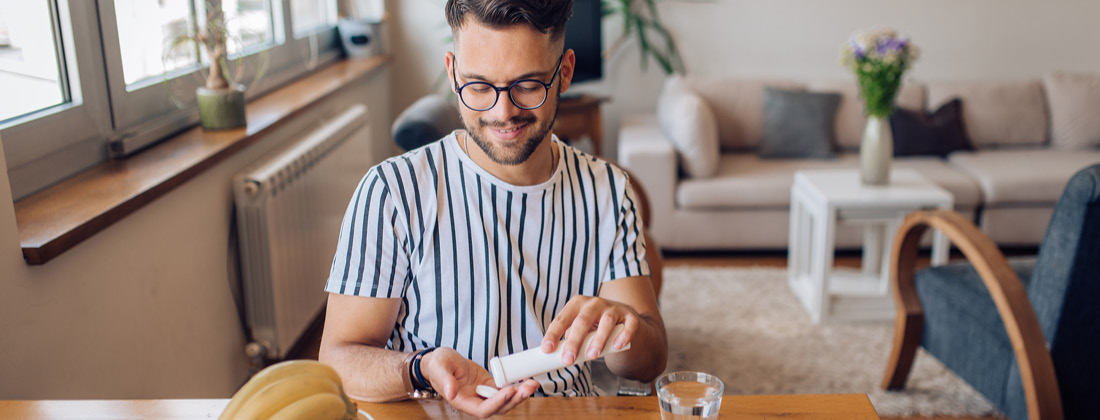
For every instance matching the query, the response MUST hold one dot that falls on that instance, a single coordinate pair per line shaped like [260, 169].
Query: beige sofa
[1029, 138]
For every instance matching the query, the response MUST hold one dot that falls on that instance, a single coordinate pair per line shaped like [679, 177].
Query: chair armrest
[1032, 356]
[646, 152]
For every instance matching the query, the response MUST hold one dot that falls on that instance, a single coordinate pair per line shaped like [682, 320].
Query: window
[28, 59]
[102, 78]
[251, 22]
[144, 56]
[311, 15]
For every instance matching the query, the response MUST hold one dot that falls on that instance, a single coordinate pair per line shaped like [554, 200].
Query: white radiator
[289, 208]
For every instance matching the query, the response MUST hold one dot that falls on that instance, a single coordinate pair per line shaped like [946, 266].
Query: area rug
[746, 327]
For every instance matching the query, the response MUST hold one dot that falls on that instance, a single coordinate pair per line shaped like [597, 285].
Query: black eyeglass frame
[498, 90]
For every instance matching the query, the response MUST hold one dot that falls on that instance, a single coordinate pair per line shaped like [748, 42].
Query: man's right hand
[456, 379]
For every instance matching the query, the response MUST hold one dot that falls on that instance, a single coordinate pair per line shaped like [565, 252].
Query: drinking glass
[689, 395]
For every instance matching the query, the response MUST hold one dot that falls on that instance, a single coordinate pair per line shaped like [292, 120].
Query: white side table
[820, 199]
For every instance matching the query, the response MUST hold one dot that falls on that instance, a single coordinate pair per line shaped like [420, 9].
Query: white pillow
[688, 121]
[1074, 101]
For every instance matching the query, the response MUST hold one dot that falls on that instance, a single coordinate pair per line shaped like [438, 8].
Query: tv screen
[582, 34]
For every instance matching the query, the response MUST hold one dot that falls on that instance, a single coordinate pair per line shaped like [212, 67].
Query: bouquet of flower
[879, 57]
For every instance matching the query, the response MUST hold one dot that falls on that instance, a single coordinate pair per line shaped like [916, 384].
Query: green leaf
[643, 44]
[652, 5]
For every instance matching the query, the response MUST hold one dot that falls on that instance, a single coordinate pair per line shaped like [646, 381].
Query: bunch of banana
[295, 389]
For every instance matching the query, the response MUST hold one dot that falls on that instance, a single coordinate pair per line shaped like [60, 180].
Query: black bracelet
[418, 377]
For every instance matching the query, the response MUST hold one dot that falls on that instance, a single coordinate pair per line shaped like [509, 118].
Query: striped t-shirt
[483, 266]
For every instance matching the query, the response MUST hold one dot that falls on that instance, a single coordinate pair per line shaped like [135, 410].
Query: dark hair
[546, 16]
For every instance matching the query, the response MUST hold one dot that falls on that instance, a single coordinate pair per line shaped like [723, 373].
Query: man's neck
[536, 170]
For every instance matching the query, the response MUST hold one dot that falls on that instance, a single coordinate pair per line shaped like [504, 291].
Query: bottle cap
[496, 368]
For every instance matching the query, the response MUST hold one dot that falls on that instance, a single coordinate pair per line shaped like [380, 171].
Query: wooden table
[787, 407]
[580, 116]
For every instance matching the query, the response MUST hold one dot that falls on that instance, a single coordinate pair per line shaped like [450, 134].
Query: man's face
[506, 133]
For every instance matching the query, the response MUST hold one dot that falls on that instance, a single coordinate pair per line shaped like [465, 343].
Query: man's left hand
[580, 316]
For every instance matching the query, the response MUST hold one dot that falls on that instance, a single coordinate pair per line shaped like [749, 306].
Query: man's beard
[520, 153]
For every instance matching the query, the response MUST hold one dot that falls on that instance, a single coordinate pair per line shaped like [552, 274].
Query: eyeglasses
[524, 94]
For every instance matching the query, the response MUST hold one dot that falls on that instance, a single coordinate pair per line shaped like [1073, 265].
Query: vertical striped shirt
[482, 266]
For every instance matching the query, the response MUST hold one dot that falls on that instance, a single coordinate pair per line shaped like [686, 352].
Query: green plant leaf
[643, 43]
[669, 58]
[652, 5]
[639, 18]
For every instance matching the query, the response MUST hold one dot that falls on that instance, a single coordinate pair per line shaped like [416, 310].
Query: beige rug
[745, 326]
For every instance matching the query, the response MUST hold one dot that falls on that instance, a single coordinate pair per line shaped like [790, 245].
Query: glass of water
[689, 395]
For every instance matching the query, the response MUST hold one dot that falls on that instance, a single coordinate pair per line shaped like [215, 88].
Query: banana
[314, 407]
[284, 392]
[352, 409]
[273, 374]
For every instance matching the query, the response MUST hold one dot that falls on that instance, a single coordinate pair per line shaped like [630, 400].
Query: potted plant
[220, 99]
[640, 20]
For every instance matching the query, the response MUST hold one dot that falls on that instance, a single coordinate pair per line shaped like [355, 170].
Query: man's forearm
[648, 352]
[370, 373]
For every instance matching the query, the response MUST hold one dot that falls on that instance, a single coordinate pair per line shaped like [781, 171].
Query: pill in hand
[486, 391]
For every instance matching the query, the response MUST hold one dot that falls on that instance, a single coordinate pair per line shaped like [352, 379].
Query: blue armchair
[428, 119]
[1024, 332]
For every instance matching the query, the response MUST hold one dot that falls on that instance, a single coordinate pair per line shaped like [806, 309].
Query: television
[582, 34]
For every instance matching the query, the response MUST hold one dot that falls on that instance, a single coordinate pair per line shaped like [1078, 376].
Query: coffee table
[822, 199]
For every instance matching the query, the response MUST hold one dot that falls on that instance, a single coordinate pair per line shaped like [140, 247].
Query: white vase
[876, 151]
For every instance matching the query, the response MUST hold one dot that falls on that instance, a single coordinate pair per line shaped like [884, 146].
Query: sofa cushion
[939, 133]
[1009, 177]
[967, 192]
[746, 181]
[1074, 101]
[689, 123]
[798, 124]
[850, 119]
[738, 106]
[997, 114]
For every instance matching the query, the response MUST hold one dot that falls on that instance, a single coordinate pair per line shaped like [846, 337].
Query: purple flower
[891, 44]
[857, 50]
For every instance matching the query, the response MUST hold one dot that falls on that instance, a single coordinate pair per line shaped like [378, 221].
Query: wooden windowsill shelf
[60, 217]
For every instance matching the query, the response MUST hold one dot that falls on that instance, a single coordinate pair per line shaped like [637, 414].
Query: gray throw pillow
[798, 124]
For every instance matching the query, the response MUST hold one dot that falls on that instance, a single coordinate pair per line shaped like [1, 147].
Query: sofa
[718, 155]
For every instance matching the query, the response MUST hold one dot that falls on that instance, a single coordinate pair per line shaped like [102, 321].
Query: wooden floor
[720, 259]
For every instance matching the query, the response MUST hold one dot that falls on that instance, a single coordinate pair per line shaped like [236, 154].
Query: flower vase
[876, 151]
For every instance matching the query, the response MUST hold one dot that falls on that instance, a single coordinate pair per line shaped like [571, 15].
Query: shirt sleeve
[371, 256]
[628, 249]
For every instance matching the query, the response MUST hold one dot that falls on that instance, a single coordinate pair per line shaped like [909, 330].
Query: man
[460, 251]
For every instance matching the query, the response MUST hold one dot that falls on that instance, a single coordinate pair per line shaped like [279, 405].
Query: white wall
[143, 308]
[960, 39]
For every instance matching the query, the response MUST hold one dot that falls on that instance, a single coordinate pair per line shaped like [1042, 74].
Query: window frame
[56, 142]
[103, 120]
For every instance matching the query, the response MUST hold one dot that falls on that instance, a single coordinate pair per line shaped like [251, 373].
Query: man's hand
[456, 379]
[580, 316]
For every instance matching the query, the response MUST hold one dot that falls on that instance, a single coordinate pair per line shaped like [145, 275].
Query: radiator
[289, 207]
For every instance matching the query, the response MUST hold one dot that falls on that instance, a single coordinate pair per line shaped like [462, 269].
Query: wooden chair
[1025, 333]
[652, 249]
[656, 268]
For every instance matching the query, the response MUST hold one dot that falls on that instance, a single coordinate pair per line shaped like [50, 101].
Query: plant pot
[221, 109]
[876, 151]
